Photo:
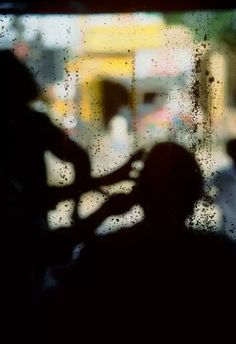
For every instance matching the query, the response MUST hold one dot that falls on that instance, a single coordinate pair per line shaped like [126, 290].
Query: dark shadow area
[28, 246]
[158, 281]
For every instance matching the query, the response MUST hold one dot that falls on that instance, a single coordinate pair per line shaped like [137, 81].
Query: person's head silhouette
[18, 84]
[169, 184]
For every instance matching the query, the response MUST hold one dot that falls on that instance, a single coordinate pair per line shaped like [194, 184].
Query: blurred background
[119, 82]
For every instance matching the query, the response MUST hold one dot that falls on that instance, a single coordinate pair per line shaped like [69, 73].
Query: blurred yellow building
[107, 51]
[109, 48]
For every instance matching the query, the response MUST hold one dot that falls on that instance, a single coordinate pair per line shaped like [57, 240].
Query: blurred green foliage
[219, 26]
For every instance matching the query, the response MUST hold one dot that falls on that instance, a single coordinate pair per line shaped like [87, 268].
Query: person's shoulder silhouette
[28, 134]
[158, 278]
[25, 195]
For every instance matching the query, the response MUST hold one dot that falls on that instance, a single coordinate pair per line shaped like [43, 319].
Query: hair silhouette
[19, 85]
[170, 182]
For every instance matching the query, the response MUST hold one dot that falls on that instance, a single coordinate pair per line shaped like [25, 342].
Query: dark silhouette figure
[27, 244]
[158, 281]
[25, 137]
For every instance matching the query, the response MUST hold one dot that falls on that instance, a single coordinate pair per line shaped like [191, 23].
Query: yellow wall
[122, 39]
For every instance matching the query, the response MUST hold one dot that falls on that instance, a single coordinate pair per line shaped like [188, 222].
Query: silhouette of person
[27, 244]
[225, 183]
[158, 280]
[26, 136]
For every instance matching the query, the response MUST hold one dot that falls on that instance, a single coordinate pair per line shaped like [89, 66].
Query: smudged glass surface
[119, 82]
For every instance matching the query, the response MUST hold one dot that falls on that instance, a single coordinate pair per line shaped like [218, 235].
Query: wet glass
[120, 82]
